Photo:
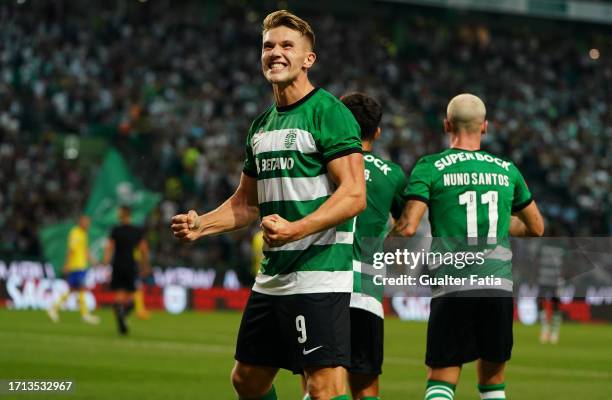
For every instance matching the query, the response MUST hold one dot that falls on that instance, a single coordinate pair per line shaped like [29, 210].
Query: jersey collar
[297, 103]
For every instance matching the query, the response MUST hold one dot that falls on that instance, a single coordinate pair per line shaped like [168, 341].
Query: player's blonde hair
[466, 112]
[291, 21]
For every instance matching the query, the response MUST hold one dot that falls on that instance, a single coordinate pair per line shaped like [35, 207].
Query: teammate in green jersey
[303, 175]
[385, 186]
[471, 194]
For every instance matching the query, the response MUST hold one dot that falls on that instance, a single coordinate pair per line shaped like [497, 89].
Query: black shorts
[295, 331]
[464, 329]
[367, 336]
[123, 278]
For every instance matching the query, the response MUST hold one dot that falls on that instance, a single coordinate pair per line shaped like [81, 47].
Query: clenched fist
[277, 231]
[186, 227]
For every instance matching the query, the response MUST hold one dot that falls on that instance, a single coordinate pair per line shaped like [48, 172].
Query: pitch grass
[189, 356]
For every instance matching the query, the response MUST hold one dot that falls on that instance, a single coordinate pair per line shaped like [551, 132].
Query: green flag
[54, 239]
[114, 186]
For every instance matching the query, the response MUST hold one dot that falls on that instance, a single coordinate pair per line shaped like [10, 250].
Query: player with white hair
[471, 194]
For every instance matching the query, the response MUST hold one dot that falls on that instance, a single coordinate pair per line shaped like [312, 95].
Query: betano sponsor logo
[275, 164]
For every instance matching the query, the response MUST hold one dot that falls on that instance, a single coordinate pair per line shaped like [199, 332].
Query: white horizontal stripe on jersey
[294, 189]
[498, 253]
[358, 266]
[367, 303]
[329, 236]
[284, 139]
[304, 282]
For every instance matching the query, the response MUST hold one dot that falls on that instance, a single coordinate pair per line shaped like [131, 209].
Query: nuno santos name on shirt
[473, 178]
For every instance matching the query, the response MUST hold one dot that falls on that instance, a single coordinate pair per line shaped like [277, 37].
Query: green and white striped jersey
[385, 184]
[287, 150]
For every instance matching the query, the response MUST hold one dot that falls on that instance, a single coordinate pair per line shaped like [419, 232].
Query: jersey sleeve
[522, 195]
[399, 197]
[249, 168]
[419, 183]
[339, 133]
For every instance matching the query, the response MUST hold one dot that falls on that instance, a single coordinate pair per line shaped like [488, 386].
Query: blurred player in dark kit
[125, 239]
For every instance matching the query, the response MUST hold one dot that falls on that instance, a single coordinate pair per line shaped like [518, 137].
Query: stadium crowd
[174, 87]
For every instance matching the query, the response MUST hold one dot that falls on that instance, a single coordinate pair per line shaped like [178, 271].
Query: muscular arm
[240, 210]
[411, 217]
[527, 222]
[348, 200]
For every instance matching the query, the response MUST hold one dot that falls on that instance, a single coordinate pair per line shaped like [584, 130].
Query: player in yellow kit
[75, 270]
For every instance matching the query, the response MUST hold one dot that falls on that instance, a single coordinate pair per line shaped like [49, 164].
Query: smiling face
[285, 54]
